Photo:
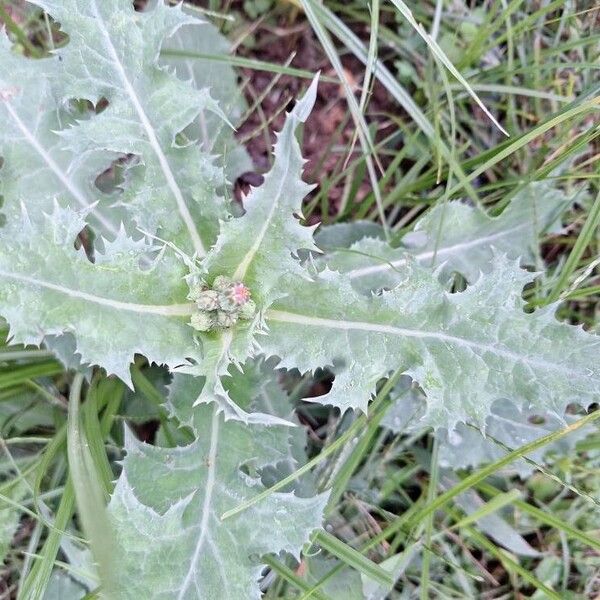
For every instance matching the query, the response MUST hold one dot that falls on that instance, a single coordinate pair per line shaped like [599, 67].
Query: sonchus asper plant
[176, 278]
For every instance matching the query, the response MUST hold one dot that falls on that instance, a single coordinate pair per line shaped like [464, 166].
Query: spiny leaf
[168, 502]
[458, 237]
[123, 47]
[220, 350]
[436, 337]
[214, 135]
[37, 168]
[259, 250]
[342, 235]
[258, 393]
[507, 427]
[260, 247]
[51, 288]
[465, 350]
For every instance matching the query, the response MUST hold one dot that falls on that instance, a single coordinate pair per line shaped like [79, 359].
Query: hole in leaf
[457, 284]
[190, 361]
[307, 385]
[290, 104]
[34, 33]
[536, 419]
[85, 239]
[250, 179]
[531, 296]
[82, 109]
[244, 184]
[111, 180]
[146, 432]
[249, 469]
[52, 36]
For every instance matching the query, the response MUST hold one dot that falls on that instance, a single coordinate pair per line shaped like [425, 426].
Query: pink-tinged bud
[240, 294]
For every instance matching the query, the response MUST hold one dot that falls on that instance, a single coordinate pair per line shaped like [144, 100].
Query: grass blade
[441, 56]
[353, 558]
[588, 231]
[481, 474]
[89, 490]
[361, 125]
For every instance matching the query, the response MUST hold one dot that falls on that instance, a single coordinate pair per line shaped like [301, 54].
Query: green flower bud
[202, 321]
[227, 303]
[208, 300]
[225, 319]
[222, 283]
[248, 310]
[196, 291]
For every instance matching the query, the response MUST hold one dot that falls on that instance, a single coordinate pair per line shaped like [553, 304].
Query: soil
[277, 40]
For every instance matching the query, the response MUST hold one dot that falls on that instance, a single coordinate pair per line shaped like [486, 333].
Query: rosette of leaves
[466, 350]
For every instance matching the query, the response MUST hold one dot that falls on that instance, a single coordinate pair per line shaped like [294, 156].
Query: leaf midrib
[346, 325]
[168, 310]
[243, 266]
[386, 266]
[69, 185]
[206, 503]
[152, 137]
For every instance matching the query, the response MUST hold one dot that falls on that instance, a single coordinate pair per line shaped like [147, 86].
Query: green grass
[534, 67]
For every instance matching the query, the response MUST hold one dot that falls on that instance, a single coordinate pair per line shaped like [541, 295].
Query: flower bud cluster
[222, 305]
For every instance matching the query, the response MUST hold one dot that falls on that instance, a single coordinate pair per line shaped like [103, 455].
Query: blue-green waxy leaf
[259, 250]
[171, 188]
[342, 235]
[168, 502]
[50, 288]
[456, 237]
[260, 247]
[468, 351]
[507, 427]
[209, 129]
[465, 350]
[37, 168]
